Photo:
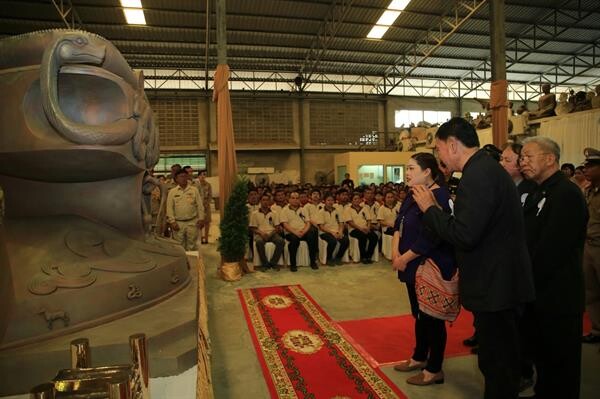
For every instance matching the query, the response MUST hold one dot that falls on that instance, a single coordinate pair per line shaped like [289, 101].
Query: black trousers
[389, 231]
[555, 342]
[366, 242]
[430, 335]
[332, 243]
[260, 248]
[311, 237]
[499, 353]
[525, 328]
[251, 242]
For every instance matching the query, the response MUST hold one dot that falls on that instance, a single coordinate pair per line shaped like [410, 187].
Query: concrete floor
[345, 293]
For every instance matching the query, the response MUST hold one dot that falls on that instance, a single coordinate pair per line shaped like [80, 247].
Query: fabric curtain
[485, 136]
[499, 106]
[573, 132]
[227, 164]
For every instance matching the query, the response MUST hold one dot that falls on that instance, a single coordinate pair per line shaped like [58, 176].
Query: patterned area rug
[302, 354]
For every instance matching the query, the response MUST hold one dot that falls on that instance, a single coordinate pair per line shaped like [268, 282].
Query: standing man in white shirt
[263, 223]
[297, 228]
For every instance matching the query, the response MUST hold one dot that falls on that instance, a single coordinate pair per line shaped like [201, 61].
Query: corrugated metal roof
[278, 34]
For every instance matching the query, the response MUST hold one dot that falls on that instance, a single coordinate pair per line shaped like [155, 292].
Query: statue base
[170, 327]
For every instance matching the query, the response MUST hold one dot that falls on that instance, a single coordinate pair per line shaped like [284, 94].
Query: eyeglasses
[527, 157]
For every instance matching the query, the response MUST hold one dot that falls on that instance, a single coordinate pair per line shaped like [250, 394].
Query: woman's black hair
[514, 147]
[493, 151]
[426, 160]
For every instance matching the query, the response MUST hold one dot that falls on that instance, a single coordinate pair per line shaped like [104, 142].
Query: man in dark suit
[555, 221]
[488, 234]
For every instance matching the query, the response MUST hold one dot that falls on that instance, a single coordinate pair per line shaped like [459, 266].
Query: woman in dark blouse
[412, 245]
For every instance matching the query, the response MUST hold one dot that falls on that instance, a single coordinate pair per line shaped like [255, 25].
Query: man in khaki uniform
[591, 253]
[185, 212]
[170, 181]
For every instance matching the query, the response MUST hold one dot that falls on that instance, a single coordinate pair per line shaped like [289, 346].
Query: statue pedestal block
[170, 327]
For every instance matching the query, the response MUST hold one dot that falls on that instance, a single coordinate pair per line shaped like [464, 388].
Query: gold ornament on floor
[303, 342]
[277, 301]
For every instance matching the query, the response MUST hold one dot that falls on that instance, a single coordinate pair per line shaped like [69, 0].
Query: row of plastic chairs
[303, 257]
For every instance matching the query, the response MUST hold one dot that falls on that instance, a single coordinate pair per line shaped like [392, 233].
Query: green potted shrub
[234, 232]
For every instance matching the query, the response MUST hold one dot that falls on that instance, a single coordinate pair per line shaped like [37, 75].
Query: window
[178, 121]
[368, 174]
[406, 117]
[263, 121]
[394, 173]
[341, 173]
[348, 123]
[197, 162]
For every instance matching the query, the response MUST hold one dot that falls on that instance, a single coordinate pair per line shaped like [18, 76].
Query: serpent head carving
[69, 48]
[77, 49]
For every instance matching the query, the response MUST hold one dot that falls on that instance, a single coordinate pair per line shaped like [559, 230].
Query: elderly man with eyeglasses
[555, 223]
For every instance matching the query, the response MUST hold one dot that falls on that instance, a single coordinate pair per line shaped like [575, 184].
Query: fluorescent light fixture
[398, 5]
[377, 32]
[131, 3]
[134, 16]
[388, 18]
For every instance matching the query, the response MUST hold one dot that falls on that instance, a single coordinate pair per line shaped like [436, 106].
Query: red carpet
[587, 324]
[301, 352]
[389, 340]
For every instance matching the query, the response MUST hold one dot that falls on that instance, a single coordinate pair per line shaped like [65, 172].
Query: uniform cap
[592, 156]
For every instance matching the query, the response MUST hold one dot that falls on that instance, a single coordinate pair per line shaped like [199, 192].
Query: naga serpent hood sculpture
[77, 136]
[88, 94]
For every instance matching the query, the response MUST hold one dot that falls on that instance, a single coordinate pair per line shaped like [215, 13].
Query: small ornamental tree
[234, 225]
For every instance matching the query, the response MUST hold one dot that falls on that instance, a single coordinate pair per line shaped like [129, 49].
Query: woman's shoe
[422, 380]
[409, 365]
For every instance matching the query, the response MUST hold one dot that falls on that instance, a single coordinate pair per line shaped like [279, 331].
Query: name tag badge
[524, 198]
[540, 206]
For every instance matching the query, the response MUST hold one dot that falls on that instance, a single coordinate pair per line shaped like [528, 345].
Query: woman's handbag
[437, 297]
